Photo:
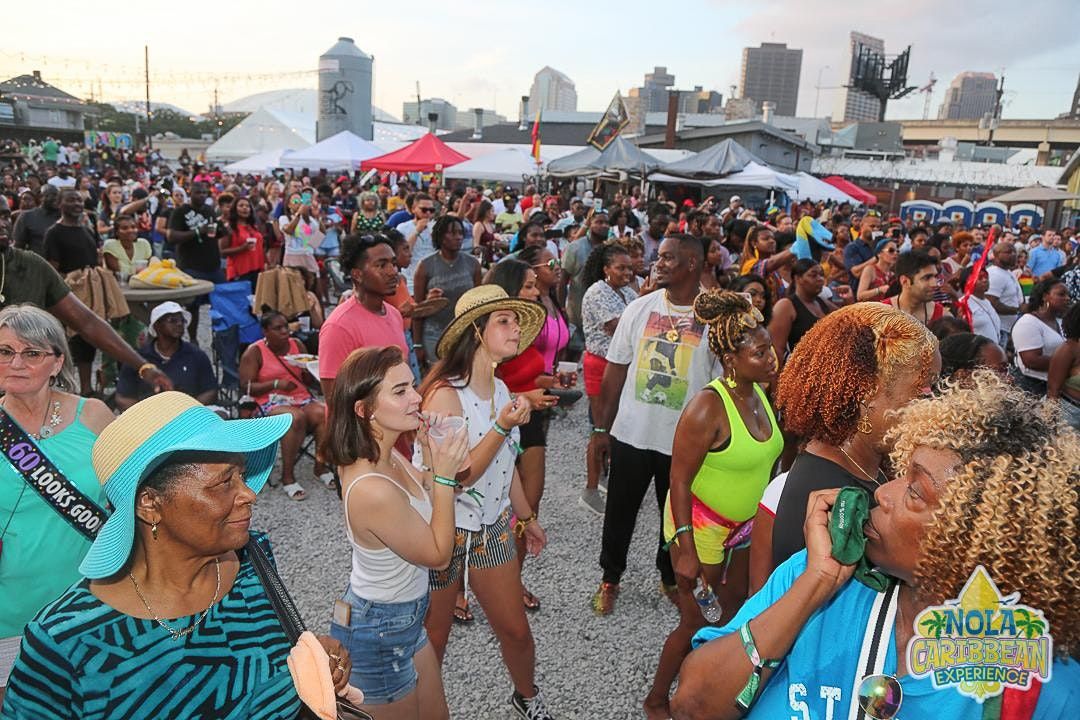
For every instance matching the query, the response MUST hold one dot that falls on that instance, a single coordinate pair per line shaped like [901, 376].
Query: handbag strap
[39, 472]
[284, 607]
[289, 370]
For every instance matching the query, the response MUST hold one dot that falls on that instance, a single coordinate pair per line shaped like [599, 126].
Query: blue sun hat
[130, 448]
[808, 231]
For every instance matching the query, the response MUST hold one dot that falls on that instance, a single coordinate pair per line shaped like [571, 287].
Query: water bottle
[706, 600]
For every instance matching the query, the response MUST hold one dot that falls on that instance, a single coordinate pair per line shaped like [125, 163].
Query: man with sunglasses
[25, 277]
[417, 233]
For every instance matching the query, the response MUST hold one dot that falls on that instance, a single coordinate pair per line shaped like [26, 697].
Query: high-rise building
[653, 94]
[447, 113]
[551, 90]
[970, 96]
[770, 73]
[853, 105]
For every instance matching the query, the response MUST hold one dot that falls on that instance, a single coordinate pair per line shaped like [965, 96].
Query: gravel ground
[587, 667]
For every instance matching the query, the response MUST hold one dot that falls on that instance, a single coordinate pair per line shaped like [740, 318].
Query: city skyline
[494, 71]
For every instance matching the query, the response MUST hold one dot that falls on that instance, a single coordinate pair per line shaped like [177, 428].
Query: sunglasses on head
[552, 264]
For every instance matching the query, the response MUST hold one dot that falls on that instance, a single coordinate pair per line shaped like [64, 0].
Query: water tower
[344, 91]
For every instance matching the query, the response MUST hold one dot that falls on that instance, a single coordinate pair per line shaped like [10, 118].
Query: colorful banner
[98, 138]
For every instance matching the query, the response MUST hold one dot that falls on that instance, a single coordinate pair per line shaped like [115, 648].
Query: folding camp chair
[233, 327]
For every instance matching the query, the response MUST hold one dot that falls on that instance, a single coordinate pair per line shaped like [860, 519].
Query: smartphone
[552, 234]
[305, 198]
[598, 204]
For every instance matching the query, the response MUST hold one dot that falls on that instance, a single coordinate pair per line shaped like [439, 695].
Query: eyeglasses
[880, 696]
[425, 209]
[551, 264]
[30, 357]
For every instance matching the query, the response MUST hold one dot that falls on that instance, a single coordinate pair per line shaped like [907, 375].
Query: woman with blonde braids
[836, 394]
[726, 443]
[985, 476]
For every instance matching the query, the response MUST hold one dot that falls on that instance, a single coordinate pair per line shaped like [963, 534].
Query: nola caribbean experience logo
[980, 643]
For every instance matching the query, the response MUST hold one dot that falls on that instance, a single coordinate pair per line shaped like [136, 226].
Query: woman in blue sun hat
[171, 619]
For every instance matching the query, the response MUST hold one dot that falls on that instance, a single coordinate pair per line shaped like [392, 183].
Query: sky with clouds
[484, 53]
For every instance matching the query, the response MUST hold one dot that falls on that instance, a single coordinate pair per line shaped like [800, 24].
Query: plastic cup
[445, 427]
[565, 371]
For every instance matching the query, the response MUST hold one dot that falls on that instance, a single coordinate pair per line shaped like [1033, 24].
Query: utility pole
[146, 65]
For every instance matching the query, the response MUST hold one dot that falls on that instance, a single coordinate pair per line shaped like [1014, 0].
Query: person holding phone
[301, 230]
[242, 244]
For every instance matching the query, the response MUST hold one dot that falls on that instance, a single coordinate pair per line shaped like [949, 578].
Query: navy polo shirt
[189, 369]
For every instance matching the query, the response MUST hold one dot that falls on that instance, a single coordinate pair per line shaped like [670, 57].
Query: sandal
[327, 479]
[532, 603]
[294, 491]
[462, 614]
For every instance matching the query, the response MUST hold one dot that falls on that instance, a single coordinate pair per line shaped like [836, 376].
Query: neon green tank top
[731, 481]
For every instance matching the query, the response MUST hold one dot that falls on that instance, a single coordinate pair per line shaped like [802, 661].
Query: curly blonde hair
[1012, 505]
[842, 362]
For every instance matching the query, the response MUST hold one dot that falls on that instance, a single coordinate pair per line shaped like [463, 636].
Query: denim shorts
[382, 639]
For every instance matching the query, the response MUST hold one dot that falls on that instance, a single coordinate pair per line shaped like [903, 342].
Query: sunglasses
[551, 264]
[880, 696]
[425, 209]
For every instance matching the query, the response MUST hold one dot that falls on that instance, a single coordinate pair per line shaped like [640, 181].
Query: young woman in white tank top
[488, 328]
[400, 523]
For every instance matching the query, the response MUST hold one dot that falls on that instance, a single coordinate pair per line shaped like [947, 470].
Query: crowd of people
[745, 364]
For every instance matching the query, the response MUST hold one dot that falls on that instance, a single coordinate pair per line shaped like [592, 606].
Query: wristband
[145, 366]
[678, 531]
[450, 482]
[747, 695]
[500, 429]
[599, 431]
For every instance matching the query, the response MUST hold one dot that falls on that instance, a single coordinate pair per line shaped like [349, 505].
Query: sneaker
[530, 708]
[603, 600]
[592, 499]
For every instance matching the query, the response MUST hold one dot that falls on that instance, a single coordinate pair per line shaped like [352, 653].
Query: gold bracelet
[144, 366]
[522, 523]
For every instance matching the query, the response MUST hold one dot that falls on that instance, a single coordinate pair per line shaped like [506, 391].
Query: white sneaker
[591, 499]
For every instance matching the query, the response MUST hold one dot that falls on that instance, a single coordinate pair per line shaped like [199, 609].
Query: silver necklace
[46, 430]
[173, 632]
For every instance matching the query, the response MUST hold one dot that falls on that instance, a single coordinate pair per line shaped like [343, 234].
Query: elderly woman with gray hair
[368, 219]
[50, 499]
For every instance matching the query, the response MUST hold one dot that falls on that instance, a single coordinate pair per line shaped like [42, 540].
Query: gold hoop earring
[153, 530]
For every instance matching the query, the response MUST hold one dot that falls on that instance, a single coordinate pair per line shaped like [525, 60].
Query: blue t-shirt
[399, 217]
[1042, 260]
[817, 679]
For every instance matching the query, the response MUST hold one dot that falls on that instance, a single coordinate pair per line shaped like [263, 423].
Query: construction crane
[928, 90]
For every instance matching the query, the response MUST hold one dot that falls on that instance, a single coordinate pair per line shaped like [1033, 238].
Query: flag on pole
[614, 120]
[536, 137]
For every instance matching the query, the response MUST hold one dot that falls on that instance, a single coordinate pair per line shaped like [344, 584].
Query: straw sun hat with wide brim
[484, 300]
[137, 442]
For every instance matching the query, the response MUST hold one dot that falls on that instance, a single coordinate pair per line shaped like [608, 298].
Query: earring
[729, 380]
[153, 530]
[864, 425]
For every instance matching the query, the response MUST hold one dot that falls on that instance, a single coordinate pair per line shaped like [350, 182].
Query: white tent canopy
[811, 188]
[342, 152]
[258, 164]
[506, 166]
[263, 131]
[753, 175]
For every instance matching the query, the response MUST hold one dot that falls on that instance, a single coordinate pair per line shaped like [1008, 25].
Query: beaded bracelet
[678, 531]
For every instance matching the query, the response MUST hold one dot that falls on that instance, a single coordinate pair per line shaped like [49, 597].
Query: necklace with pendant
[173, 632]
[673, 335]
[48, 422]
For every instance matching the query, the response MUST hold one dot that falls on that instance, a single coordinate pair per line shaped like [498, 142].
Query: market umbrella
[1035, 193]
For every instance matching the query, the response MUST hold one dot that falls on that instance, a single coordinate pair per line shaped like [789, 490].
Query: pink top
[350, 327]
[553, 337]
[277, 368]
